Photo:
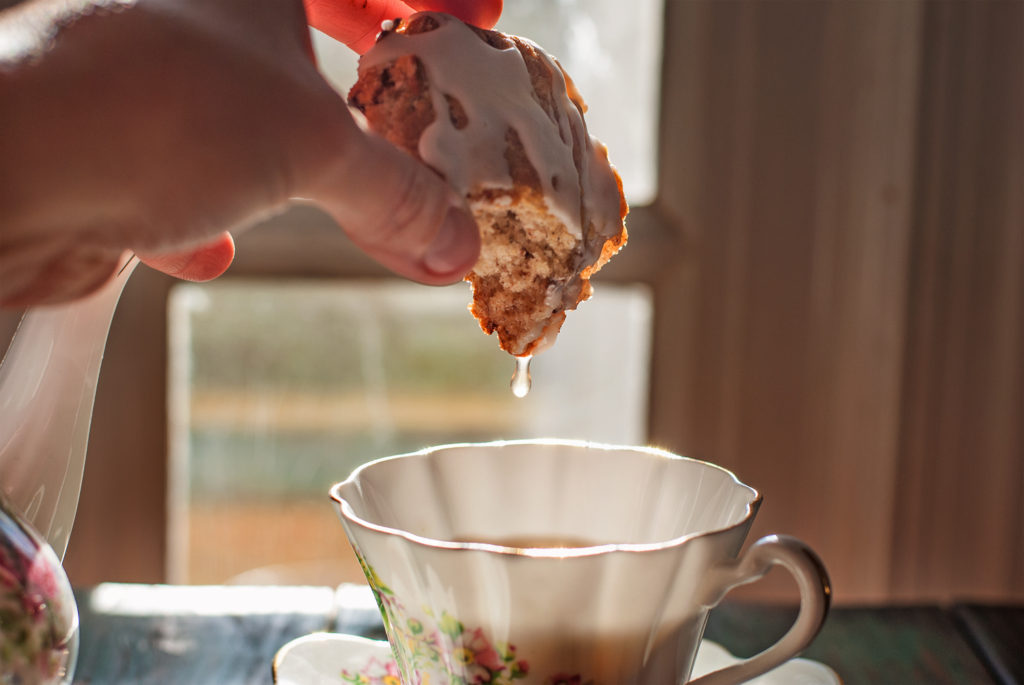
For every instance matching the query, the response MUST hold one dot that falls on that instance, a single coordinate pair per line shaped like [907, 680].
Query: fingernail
[456, 246]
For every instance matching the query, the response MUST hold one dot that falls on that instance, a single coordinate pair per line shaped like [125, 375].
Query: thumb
[399, 211]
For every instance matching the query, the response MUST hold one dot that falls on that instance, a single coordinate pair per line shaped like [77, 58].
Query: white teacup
[556, 562]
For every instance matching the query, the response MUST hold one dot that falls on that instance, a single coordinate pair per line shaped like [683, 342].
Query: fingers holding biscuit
[396, 209]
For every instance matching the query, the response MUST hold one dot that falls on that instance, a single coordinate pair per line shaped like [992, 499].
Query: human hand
[156, 125]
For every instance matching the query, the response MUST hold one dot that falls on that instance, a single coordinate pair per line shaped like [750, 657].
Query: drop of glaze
[521, 377]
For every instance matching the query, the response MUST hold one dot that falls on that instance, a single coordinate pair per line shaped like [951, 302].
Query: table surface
[223, 635]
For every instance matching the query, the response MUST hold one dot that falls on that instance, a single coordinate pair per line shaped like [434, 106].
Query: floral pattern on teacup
[446, 653]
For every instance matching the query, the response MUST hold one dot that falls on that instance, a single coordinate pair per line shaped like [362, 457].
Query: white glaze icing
[493, 86]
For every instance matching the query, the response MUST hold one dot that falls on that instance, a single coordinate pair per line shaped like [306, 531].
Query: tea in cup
[562, 562]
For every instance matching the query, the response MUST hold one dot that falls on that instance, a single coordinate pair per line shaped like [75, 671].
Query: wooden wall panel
[846, 328]
[959, 529]
[788, 158]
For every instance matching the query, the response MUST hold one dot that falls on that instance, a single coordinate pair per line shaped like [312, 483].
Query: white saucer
[320, 658]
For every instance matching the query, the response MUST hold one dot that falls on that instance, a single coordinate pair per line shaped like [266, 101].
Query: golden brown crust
[532, 266]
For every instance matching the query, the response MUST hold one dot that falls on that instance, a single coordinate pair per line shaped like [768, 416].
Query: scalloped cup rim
[541, 552]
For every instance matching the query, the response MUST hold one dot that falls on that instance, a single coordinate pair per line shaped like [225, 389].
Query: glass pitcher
[47, 387]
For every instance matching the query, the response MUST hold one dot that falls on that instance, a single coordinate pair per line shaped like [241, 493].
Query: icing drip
[521, 381]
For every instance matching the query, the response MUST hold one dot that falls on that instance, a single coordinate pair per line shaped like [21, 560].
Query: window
[280, 389]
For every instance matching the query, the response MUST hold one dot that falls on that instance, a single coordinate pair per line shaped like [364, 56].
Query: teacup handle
[815, 596]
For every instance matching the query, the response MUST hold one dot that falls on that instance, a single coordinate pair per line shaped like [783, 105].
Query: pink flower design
[482, 650]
